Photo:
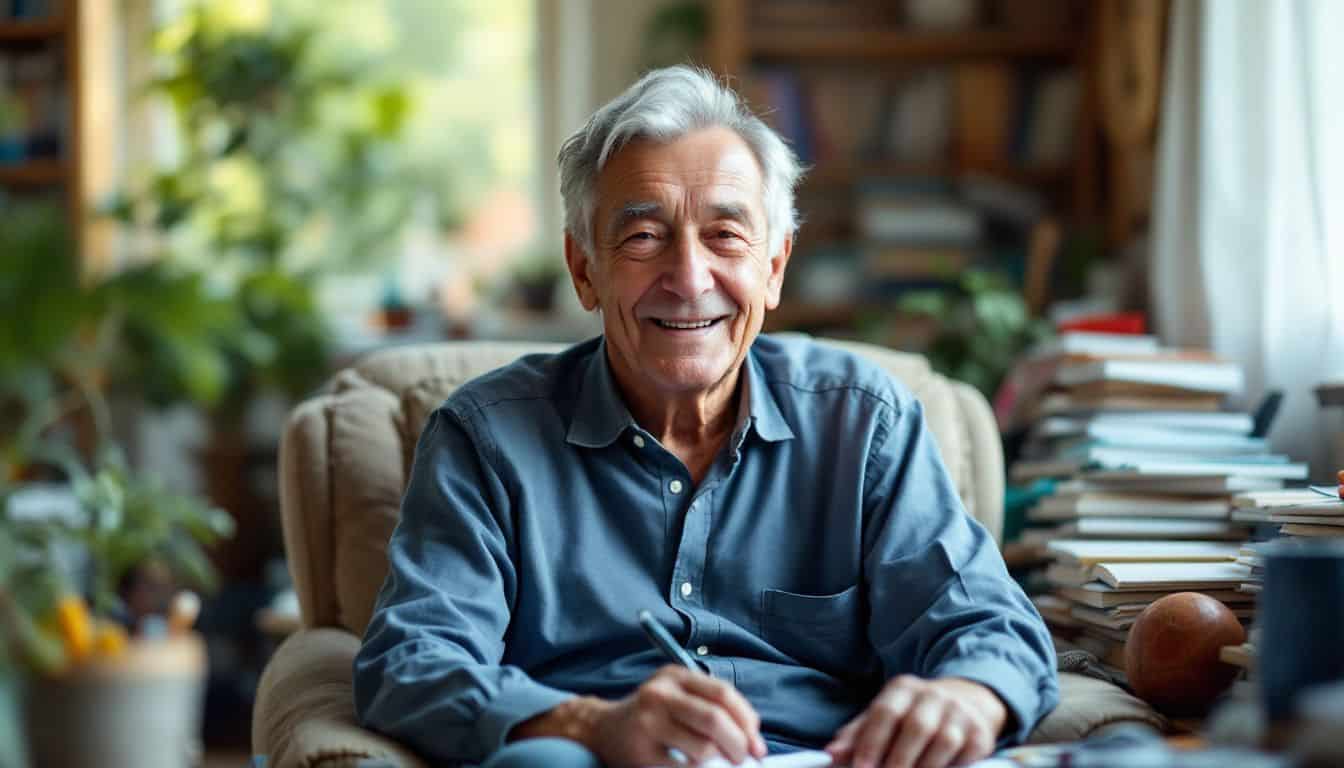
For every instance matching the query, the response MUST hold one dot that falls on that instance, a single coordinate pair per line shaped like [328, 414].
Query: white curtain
[1248, 219]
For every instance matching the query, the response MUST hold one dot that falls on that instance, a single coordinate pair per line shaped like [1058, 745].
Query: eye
[641, 236]
[726, 233]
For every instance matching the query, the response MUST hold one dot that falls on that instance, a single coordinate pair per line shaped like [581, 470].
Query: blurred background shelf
[845, 174]
[938, 136]
[34, 173]
[34, 31]
[888, 44]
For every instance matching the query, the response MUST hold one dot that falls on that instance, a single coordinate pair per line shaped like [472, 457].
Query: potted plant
[535, 277]
[288, 171]
[82, 651]
[106, 681]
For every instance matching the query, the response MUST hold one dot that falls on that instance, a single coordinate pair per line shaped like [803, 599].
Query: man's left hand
[918, 722]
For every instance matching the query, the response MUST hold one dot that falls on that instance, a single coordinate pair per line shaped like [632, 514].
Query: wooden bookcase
[79, 35]
[742, 42]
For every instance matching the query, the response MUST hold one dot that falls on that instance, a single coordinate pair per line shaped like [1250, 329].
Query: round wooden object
[1171, 656]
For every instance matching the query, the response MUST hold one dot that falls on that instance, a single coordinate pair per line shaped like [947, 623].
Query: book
[1146, 528]
[914, 221]
[1171, 576]
[907, 262]
[1092, 552]
[1161, 439]
[1266, 516]
[1073, 403]
[1313, 530]
[1207, 468]
[1065, 505]
[1191, 375]
[1118, 462]
[1103, 425]
[1102, 454]
[917, 127]
[1123, 617]
[984, 96]
[1301, 498]
[1095, 344]
[1127, 480]
[1101, 595]
[1052, 119]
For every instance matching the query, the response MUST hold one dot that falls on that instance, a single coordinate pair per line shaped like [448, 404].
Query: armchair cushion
[304, 715]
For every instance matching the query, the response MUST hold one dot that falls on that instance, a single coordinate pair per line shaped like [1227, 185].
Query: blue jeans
[543, 753]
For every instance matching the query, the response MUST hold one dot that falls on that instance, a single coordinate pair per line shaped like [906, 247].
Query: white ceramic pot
[141, 709]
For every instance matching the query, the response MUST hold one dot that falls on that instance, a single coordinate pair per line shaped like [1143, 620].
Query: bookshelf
[832, 44]
[59, 63]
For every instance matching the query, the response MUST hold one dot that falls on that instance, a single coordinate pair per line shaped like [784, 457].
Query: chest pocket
[822, 631]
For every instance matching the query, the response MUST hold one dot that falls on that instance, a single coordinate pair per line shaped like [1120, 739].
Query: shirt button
[686, 589]
[703, 650]
[674, 486]
[639, 441]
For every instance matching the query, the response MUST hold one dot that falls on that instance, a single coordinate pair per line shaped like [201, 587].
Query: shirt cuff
[1027, 699]
[519, 698]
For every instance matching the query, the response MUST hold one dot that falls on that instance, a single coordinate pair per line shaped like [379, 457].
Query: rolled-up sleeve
[942, 602]
[429, 673]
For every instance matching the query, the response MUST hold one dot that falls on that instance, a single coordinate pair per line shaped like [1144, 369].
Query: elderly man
[778, 506]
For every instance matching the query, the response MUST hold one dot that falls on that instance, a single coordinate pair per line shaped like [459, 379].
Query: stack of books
[1099, 588]
[1144, 463]
[1299, 514]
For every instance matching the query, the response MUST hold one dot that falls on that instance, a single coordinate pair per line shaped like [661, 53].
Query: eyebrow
[733, 212]
[635, 211]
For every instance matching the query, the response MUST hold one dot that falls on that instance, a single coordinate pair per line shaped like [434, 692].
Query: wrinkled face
[679, 269]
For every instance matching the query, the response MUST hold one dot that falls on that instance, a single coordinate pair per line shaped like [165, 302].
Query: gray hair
[663, 106]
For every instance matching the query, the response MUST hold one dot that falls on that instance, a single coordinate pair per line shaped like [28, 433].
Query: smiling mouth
[686, 325]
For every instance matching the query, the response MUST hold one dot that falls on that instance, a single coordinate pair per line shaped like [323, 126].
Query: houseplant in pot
[83, 537]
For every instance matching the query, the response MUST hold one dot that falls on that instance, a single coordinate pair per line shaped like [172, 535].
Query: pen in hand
[665, 643]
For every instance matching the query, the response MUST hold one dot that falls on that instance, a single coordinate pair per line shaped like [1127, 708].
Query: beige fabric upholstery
[344, 461]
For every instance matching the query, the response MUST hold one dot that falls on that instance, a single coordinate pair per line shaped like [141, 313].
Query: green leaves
[983, 326]
[134, 519]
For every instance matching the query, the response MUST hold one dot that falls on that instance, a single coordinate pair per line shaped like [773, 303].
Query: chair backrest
[346, 453]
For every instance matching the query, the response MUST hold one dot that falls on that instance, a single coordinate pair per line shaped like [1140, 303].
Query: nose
[689, 274]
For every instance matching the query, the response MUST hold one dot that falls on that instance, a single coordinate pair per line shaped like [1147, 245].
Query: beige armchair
[343, 467]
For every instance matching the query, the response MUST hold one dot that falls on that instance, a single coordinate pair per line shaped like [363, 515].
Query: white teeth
[685, 326]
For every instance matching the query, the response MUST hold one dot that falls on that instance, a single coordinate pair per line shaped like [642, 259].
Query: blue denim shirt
[825, 552]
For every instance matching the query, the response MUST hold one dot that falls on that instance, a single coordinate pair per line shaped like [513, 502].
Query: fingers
[692, 744]
[712, 724]
[701, 716]
[734, 703]
[914, 722]
[879, 724]
[841, 747]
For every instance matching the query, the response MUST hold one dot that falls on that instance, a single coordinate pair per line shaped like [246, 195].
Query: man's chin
[690, 375]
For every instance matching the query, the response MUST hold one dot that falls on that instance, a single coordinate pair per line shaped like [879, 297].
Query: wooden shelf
[35, 31]
[900, 45]
[33, 173]
[844, 174]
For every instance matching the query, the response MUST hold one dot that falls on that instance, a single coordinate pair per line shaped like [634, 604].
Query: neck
[693, 425]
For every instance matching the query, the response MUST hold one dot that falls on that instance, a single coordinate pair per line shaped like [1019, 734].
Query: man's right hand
[677, 708]
[680, 709]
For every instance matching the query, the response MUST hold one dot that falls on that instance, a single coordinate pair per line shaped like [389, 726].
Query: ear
[580, 273]
[775, 282]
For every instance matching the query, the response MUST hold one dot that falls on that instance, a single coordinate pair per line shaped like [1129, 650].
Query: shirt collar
[601, 415]
[766, 417]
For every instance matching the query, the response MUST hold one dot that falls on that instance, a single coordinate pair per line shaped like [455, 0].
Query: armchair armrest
[1086, 704]
[305, 713]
